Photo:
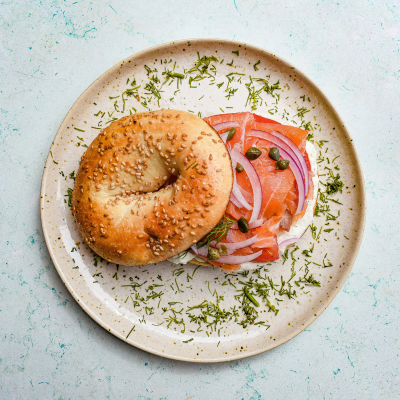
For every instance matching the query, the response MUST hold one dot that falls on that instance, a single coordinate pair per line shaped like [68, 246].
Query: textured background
[50, 51]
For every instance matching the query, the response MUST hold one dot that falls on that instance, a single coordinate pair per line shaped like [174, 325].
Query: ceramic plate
[197, 314]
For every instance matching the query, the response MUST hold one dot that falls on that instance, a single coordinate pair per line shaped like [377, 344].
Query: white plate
[105, 298]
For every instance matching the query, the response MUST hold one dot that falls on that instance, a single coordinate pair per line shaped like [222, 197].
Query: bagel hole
[169, 182]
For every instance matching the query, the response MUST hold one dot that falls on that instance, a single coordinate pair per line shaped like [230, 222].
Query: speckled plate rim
[317, 312]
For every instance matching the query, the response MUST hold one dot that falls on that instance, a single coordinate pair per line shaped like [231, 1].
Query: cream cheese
[295, 231]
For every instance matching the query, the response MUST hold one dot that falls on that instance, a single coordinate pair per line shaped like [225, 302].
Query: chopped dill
[69, 195]
[218, 233]
[334, 184]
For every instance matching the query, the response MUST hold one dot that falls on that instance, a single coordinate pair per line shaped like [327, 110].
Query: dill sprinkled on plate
[69, 195]
[250, 299]
[203, 64]
[334, 184]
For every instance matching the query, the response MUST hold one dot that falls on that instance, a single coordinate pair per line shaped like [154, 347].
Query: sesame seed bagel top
[124, 208]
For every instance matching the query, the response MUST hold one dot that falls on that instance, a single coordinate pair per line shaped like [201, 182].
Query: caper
[274, 153]
[253, 153]
[231, 134]
[223, 249]
[239, 168]
[282, 164]
[213, 254]
[243, 225]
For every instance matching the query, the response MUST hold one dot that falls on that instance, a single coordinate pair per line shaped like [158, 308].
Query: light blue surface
[50, 51]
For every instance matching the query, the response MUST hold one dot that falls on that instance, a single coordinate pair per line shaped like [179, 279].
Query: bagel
[124, 207]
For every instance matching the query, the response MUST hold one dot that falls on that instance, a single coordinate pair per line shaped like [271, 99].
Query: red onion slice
[230, 259]
[224, 136]
[289, 146]
[251, 172]
[297, 152]
[235, 201]
[288, 242]
[225, 125]
[299, 179]
[294, 166]
[237, 245]
[236, 193]
[253, 225]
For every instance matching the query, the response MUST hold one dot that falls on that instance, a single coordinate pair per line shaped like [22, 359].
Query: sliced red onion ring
[230, 259]
[289, 146]
[293, 146]
[237, 245]
[236, 193]
[224, 136]
[288, 242]
[296, 169]
[299, 179]
[229, 237]
[225, 125]
[251, 172]
[235, 201]
[253, 225]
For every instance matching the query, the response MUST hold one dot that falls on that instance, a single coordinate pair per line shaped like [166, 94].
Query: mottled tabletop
[50, 51]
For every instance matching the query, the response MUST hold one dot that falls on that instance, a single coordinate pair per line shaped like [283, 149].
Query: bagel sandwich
[273, 198]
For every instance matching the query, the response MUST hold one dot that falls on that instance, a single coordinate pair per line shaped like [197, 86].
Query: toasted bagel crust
[120, 210]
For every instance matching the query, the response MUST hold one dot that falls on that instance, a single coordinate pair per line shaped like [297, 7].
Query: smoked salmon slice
[279, 187]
